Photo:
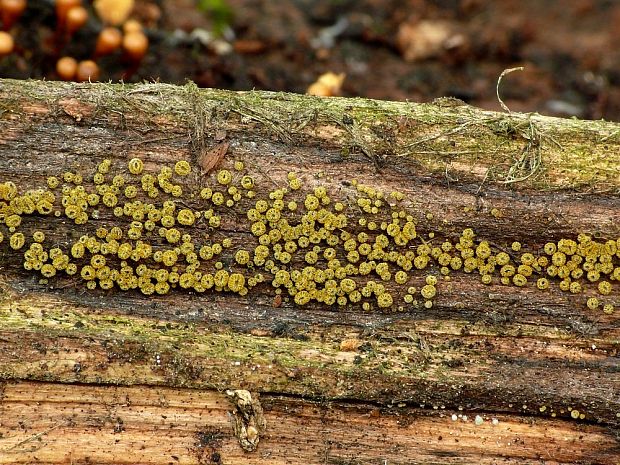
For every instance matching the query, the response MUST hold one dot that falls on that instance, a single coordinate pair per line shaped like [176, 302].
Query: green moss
[436, 136]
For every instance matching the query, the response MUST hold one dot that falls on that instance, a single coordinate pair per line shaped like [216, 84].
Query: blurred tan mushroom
[6, 43]
[135, 45]
[108, 41]
[66, 68]
[11, 11]
[62, 8]
[132, 25]
[76, 18]
[87, 70]
[113, 12]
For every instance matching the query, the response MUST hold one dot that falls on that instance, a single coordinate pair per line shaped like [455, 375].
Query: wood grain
[55, 423]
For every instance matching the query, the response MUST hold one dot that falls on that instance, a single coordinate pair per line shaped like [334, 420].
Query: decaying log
[489, 373]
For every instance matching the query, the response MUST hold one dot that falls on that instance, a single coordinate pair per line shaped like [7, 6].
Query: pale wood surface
[56, 423]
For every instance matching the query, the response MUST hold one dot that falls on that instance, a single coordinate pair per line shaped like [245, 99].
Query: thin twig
[499, 80]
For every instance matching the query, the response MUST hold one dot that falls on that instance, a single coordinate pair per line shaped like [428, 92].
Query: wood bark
[118, 377]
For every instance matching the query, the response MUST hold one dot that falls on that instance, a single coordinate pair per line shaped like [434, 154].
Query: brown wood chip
[211, 158]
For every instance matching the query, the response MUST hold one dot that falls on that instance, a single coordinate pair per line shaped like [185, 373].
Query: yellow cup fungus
[164, 230]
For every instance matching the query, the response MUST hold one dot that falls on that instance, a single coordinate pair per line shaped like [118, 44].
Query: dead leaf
[422, 40]
[220, 135]
[74, 108]
[350, 345]
[327, 85]
[211, 158]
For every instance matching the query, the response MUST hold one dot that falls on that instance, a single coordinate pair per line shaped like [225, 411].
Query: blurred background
[399, 50]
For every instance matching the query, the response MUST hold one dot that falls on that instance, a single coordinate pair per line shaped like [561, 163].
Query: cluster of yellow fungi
[151, 233]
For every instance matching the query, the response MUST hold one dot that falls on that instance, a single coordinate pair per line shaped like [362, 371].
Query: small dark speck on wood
[212, 157]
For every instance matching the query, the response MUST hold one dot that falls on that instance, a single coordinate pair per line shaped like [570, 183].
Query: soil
[413, 50]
